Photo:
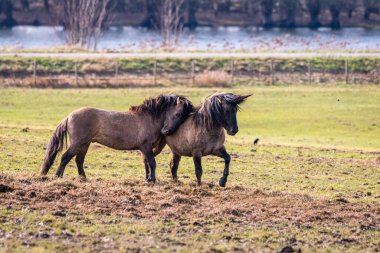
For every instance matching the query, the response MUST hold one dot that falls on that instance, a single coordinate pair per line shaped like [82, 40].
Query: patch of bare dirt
[168, 200]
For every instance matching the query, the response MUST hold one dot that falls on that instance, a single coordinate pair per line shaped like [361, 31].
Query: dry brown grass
[213, 79]
[88, 81]
[167, 199]
[96, 76]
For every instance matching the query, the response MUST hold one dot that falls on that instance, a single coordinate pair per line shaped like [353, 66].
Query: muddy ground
[175, 200]
[189, 209]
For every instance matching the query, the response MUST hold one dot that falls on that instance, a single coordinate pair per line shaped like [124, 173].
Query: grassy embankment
[311, 183]
[132, 72]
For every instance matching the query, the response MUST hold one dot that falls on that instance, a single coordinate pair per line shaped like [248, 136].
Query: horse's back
[88, 113]
[84, 123]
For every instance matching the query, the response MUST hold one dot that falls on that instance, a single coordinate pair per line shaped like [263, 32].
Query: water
[204, 38]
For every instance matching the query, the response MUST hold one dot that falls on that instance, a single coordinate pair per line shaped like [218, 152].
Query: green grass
[145, 65]
[326, 116]
[322, 141]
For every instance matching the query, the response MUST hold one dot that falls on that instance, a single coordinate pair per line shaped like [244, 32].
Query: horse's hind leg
[79, 159]
[227, 158]
[174, 163]
[66, 157]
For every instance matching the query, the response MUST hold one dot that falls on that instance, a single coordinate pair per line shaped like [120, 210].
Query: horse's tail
[54, 146]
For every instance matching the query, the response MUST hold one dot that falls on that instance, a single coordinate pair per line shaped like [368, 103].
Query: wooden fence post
[116, 69]
[76, 73]
[271, 72]
[309, 70]
[259, 72]
[155, 72]
[250, 72]
[346, 70]
[192, 72]
[35, 72]
[232, 72]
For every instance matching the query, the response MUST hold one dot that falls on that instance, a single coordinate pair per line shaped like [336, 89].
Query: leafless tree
[25, 5]
[289, 8]
[84, 20]
[46, 5]
[171, 24]
[267, 9]
[7, 7]
[314, 8]
[371, 6]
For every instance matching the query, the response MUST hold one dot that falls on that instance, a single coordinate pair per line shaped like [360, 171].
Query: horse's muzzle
[232, 132]
[166, 132]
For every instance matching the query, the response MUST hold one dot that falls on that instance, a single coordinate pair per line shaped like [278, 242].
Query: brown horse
[202, 133]
[141, 128]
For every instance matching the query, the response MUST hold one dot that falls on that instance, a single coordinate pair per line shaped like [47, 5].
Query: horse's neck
[215, 126]
[154, 121]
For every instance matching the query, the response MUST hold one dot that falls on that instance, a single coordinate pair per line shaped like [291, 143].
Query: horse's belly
[188, 149]
[115, 143]
[181, 149]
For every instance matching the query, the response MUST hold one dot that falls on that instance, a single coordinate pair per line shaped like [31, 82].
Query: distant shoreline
[188, 55]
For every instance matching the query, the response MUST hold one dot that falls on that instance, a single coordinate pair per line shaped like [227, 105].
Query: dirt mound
[174, 200]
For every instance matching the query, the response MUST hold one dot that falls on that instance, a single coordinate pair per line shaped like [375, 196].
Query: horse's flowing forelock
[156, 106]
[211, 110]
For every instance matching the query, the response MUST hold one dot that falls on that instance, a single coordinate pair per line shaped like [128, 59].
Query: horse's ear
[240, 99]
[178, 101]
[219, 100]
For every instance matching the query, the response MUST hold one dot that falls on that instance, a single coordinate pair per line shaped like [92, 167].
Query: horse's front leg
[197, 157]
[227, 158]
[149, 157]
[156, 151]
[174, 163]
[147, 169]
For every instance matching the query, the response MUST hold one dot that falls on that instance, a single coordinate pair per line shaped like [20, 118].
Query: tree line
[84, 20]
[285, 10]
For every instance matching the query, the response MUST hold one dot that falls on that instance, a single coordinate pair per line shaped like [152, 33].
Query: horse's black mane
[157, 105]
[211, 110]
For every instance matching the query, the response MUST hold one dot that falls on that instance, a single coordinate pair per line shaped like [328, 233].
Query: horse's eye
[178, 114]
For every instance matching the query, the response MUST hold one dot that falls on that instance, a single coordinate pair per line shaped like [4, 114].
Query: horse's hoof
[222, 182]
[151, 180]
[175, 178]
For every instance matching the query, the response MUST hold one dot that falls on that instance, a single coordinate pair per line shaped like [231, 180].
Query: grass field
[312, 183]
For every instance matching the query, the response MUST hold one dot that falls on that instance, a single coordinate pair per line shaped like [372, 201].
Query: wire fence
[194, 72]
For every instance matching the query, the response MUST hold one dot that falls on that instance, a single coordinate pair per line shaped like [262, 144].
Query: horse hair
[156, 106]
[211, 110]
